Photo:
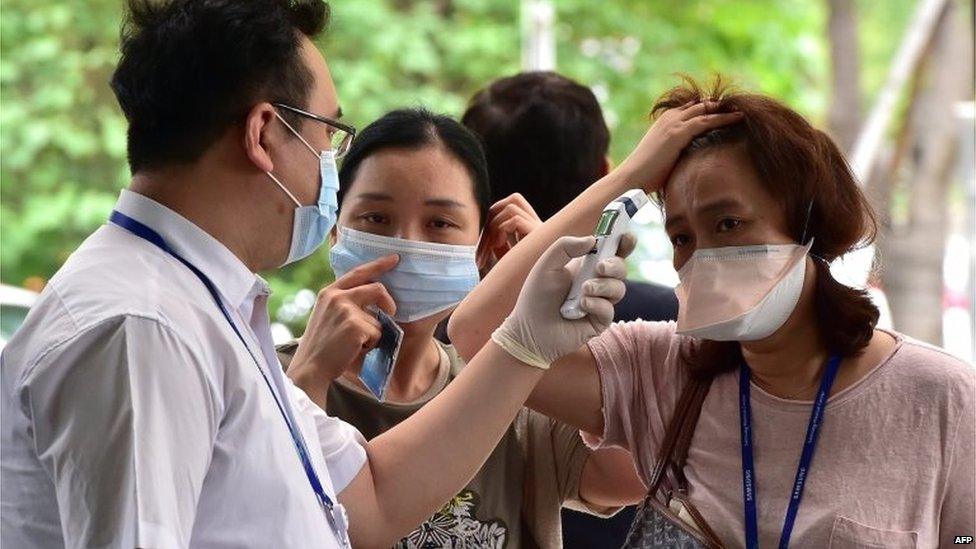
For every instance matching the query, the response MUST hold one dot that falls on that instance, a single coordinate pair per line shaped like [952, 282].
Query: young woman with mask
[808, 403]
[415, 185]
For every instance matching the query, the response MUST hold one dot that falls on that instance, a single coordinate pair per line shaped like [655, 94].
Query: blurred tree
[844, 116]
[63, 137]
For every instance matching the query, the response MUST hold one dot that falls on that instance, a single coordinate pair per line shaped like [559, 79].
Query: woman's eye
[442, 224]
[728, 224]
[679, 240]
[373, 218]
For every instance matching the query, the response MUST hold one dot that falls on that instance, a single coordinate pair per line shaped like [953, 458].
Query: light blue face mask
[428, 279]
[312, 223]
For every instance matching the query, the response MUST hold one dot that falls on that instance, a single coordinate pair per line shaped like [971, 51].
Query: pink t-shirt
[895, 465]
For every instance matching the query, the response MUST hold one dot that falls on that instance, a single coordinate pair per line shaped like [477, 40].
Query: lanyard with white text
[806, 457]
[334, 513]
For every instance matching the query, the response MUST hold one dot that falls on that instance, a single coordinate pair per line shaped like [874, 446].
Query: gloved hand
[535, 332]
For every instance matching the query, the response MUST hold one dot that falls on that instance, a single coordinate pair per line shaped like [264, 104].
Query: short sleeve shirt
[133, 416]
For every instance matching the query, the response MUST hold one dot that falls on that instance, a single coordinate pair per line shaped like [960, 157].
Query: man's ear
[333, 235]
[259, 136]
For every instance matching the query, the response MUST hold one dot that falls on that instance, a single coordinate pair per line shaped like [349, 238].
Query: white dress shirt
[132, 415]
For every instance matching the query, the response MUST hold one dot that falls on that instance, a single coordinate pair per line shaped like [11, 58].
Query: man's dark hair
[416, 129]
[191, 68]
[544, 136]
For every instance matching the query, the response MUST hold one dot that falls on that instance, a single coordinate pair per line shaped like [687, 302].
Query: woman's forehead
[721, 176]
[412, 174]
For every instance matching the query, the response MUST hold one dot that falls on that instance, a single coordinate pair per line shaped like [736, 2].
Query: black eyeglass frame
[349, 130]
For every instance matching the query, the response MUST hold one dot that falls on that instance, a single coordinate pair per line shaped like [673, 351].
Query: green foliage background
[62, 136]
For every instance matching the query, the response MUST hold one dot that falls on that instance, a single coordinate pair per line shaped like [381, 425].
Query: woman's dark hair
[191, 68]
[544, 137]
[796, 163]
[416, 129]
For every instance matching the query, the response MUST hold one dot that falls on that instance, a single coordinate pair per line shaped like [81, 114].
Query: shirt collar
[228, 273]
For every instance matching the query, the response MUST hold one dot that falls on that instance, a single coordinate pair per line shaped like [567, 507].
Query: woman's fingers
[517, 225]
[513, 199]
[367, 272]
[372, 294]
[708, 122]
[698, 109]
[369, 333]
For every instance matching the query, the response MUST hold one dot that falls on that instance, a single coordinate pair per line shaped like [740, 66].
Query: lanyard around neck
[806, 457]
[144, 232]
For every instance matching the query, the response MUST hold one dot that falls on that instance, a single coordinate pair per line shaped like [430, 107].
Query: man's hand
[509, 220]
[341, 330]
[651, 163]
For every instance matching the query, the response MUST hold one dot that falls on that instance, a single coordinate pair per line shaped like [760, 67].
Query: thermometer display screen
[605, 225]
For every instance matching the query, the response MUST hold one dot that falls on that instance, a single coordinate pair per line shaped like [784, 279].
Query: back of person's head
[192, 68]
[544, 137]
[413, 129]
[796, 163]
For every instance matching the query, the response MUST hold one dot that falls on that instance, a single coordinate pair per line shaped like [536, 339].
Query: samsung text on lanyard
[806, 457]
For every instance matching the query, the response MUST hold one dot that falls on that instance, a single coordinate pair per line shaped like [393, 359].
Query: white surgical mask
[740, 293]
[429, 278]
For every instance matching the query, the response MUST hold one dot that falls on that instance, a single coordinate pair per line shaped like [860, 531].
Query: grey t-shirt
[514, 500]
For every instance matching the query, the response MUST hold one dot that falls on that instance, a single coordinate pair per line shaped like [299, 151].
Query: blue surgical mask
[429, 278]
[313, 223]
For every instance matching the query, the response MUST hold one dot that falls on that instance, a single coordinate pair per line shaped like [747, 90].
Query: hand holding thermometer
[614, 223]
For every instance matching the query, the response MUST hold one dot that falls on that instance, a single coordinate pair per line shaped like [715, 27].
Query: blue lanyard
[806, 457]
[335, 516]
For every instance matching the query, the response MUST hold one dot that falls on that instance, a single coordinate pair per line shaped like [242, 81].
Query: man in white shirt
[142, 402]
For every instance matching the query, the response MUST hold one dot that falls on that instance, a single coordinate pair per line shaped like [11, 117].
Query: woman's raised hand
[651, 162]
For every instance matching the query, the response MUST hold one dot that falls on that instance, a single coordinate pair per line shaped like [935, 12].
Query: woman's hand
[509, 220]
[535, 332]
[651, 162]
[341, 330]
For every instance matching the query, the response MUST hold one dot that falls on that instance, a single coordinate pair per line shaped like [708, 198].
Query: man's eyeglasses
[340, 134]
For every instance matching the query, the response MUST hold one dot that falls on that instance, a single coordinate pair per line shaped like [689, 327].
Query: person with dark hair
[546, 141]
[774, 384]
[416, 184]
[143, 404]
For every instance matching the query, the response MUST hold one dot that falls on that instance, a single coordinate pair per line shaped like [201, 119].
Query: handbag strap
[680, 455]
[674, 452]
[677, 438]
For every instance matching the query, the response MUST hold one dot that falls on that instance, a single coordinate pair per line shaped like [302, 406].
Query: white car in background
[14, 304]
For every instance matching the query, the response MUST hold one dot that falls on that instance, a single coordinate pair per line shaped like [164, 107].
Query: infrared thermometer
[614, 223]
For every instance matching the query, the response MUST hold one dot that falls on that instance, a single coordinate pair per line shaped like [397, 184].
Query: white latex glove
[535, 332]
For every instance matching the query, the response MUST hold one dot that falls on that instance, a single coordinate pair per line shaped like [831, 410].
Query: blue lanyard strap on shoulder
[806, 457]
[146, 233]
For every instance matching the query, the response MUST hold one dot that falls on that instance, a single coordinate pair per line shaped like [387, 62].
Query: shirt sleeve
[639, 376]
[342, 445]
[124, 420]
[569, 455]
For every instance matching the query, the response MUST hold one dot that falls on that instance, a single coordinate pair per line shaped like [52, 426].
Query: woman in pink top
[818, 430]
